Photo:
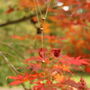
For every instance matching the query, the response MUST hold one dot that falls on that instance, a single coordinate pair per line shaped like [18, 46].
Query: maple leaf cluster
[50, 70]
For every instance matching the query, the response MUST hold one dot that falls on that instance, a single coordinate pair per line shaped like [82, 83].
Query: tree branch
[17, 21]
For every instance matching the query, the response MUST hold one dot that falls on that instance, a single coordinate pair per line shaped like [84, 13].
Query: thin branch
[11, 66]
[14, 50]
[17, 21]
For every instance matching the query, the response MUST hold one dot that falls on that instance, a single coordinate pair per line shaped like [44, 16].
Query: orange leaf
[58, 77]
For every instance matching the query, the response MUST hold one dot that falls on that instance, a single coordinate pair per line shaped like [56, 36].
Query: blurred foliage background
[18, 40]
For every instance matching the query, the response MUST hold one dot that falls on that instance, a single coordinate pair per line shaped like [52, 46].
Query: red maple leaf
[42, 52]
[56, 52]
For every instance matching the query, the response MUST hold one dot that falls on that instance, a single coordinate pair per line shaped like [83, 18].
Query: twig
[11, 66]
[17, 21]
[9, 46]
